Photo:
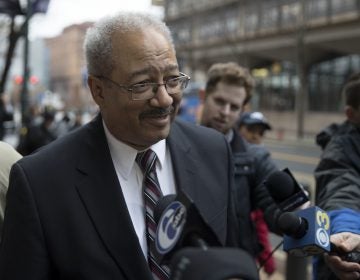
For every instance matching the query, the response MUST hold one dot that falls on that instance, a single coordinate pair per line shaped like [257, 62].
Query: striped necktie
[152, 193]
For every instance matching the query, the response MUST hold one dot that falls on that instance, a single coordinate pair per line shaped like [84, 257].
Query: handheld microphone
[287, 193]
[307, 233]
[180, 225]
[213, 264]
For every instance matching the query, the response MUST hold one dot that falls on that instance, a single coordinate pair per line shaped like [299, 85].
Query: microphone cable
[261, 264]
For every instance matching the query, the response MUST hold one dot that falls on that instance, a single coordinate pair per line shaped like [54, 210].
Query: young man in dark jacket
[228, 90]
[338, 186]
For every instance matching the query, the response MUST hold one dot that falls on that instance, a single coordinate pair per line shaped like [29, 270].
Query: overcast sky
[62, 13]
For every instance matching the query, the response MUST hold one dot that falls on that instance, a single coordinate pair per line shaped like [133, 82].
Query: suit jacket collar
[101, 194]
[237, 143]
[184, 163]
[186, 167]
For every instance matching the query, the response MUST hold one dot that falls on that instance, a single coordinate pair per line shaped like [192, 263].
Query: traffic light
[34, 80]
[18, 80]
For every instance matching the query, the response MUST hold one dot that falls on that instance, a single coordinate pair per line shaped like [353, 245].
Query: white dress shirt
[131, 177]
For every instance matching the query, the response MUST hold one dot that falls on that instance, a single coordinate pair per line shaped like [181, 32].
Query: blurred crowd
[43, 125]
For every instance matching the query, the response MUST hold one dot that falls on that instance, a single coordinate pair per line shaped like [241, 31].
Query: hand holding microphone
[344, 269]
[307, 233]
[346, 241]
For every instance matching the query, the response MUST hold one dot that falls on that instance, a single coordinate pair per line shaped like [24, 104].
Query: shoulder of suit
[8, 154]
[180, 125]
[64, 148]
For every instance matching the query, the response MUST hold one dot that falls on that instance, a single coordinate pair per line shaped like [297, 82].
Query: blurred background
[300, 52]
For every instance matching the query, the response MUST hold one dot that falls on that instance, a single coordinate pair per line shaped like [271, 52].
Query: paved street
[301, 157]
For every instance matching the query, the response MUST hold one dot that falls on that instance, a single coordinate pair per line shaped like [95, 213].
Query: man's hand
[346, 242]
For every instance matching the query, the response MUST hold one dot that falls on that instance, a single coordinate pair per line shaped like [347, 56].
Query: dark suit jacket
[66, 216]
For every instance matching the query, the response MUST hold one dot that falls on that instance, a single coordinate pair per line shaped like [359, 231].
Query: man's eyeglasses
[145, 91]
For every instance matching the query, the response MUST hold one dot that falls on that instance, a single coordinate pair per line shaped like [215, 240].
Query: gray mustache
[158, 112]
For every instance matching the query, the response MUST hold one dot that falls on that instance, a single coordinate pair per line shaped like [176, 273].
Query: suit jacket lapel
[187, 169]
[188, 173]
[184, 163]
[101, 194]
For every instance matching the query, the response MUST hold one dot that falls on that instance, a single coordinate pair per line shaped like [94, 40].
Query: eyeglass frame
[154, 86]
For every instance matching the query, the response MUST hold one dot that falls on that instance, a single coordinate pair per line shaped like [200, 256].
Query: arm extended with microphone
[307, 233]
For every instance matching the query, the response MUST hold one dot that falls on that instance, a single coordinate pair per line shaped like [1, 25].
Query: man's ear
[97, 89]
[245, 108]
[352, 115]
[349, 112]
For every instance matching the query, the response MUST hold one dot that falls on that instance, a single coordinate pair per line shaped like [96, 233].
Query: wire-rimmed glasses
[145, 91]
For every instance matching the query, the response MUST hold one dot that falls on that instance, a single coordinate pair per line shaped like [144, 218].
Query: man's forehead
[150, 69]
[139, 55]
[139, 37]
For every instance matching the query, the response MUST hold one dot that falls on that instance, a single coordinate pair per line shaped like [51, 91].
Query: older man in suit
[76, 208]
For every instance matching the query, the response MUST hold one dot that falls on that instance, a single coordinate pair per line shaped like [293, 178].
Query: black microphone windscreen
[215, 263]
[280, 185]
[291, 224]
[161, 206]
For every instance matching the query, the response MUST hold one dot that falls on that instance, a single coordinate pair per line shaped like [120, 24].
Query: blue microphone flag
[316, 238]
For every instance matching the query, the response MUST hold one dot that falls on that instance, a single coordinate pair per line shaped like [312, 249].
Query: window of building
[290, 13]
[316, 9]
[270, 15]
[341, 6]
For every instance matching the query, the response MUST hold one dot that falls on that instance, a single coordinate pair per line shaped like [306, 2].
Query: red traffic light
[34, 80]
[18, 80]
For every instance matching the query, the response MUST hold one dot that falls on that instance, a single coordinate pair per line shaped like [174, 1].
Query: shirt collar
[160, 150]
[229, 136]
[124, 156]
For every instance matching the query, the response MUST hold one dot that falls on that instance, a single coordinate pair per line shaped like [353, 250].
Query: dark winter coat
[338, 176]
[253, 165]
[338, 173]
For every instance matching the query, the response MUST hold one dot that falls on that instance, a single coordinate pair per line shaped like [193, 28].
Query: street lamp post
[302, 96]
[297, 268]
[26, 75]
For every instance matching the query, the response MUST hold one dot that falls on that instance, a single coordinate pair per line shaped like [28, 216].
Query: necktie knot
[146, 160]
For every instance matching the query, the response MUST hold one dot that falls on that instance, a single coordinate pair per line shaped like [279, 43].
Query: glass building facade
[278, 84]
[272, 38]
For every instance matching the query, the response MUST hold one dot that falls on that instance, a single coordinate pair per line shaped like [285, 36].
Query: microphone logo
[170, 227]
[323, 222]
[322, 219]
[322, 237]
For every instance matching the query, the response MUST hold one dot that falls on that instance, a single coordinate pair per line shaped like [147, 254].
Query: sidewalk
[292, 141]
